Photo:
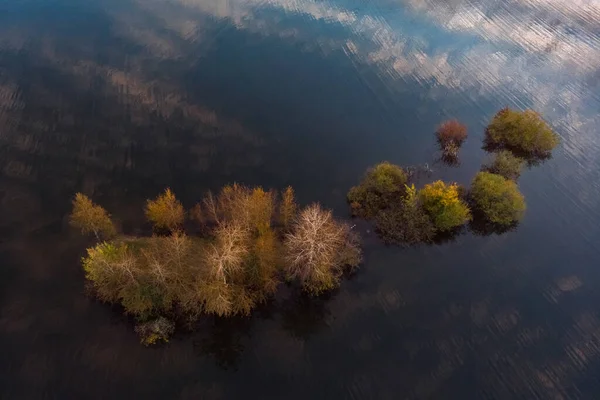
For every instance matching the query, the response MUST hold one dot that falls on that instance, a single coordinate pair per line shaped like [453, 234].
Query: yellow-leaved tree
[444, 205]
[91, 218]
[165, 212]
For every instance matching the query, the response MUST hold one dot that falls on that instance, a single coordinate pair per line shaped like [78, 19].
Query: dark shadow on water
[223, 339]
[448, 236]
[302, 315]
[480, 226]
[531, 160]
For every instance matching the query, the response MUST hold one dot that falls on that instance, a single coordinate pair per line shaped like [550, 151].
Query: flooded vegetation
[119, 100]
[235, 266]
[407, 216]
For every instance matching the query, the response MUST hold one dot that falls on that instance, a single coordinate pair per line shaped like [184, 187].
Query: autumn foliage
[165, 212]
[450, 135]
[443, 204]
[91, 218]
[288, 207]
[252, 243]
[403, 214]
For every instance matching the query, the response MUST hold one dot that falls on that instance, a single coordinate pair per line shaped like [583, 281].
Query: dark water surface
[121, 98]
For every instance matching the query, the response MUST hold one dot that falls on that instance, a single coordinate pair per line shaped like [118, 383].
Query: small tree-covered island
[406, 215]
[253, 240]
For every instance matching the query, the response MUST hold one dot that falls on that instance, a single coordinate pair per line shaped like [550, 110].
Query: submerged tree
[318, 248]
[406, 222]
[450, 135]
[380, 187]
[165, 212]
[444, 206]
[505, 163]
[524, 132]
[498, 198]
[237, 266]
[91, 218]
[154, 331]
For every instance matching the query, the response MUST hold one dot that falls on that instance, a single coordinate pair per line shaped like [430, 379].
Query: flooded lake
[120, 99]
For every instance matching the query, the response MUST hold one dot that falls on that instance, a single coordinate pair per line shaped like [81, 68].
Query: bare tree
[212, 209]
[226, 256]
[317, 249]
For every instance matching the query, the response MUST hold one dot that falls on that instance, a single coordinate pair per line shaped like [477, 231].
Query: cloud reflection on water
[545, 55]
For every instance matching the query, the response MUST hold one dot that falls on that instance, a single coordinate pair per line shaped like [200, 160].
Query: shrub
[405, 222]
[91, 218]
[165, 212]
[442, 203]
[506, 164]
[497, 198]
[381, 186]
[451, 132]
[318, 248]
[521, 131]
[154, 331]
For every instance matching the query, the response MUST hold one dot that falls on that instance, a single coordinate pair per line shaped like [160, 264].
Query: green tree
[381, 186]
[497, 198]
[521, 131]
[444, 206]
[508, 165]
[91, 218]
[165, 212]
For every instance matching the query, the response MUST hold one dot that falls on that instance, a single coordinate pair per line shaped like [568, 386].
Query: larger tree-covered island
[253, 242]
